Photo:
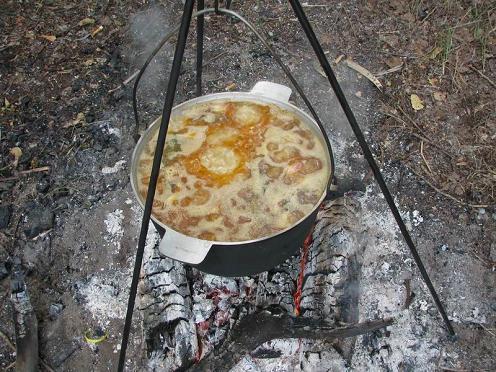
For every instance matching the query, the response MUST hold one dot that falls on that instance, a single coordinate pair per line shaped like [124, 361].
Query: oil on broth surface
[235, 171]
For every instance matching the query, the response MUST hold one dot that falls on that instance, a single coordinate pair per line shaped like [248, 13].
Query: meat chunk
[201, 196]
[243, 219]
[307, 197]
[301, 167]
[207, 235]
[271, 146]
[270, 171]
[295, 216]
[285, 154]
[246, 194]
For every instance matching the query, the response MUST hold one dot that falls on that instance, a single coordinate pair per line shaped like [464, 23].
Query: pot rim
[234, 96]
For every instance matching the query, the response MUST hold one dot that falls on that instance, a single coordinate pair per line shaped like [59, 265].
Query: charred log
[190, 316]
[255, 329]
[26, 324]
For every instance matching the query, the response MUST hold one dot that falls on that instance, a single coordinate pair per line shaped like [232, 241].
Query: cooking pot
[243, 257]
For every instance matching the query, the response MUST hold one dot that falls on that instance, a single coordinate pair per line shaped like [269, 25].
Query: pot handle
[184, 248]
[275, 91]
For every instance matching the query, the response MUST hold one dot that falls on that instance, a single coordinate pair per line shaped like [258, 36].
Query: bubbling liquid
[234, 171]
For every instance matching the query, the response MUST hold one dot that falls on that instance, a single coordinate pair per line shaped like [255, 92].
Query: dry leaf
[93, 61]
[231, 86]
[6, 103]
[393, 62]
[391, 40]
[318, 68]
[433, 81]
[50, 38]
[435, 52]
[417, 103]
[96, 31]
[16, 152]
[86, 21]
[338, 59]
[80, 118]
[439, 96]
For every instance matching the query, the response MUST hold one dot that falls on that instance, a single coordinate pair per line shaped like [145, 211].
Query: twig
[24, 172]
[484, 76]
[12, 346]
[390, 71]
[133, 76]
[445, 193]
[412, 121]
[307, 5]
[423, 157]
[487, 329]
[46, 365]
[11, 365]
[125, 82]
[363, 71]
[7, 340]
[418, 135]
[448, 369]
[428, 15]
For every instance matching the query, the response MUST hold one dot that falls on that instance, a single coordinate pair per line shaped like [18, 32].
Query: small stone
[3, 271]
[494, 216]
[43, 185]
[5, 212]
[55, 310]
[39, 220]
[6, 186]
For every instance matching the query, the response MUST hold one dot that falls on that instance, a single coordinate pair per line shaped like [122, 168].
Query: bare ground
[61, 109]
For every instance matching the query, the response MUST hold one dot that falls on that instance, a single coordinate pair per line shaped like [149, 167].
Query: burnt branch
[258, 328]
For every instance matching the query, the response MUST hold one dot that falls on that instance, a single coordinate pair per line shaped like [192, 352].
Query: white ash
[109, 130]
[282, 355]
[413, 339]
[113, 224]
[115, 168]
[106, 296]
[417, 219]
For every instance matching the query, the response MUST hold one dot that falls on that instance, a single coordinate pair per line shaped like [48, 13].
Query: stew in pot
[235, 171]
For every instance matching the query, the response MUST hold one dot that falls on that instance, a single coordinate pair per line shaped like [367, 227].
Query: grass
[446, 45]
[482, 29]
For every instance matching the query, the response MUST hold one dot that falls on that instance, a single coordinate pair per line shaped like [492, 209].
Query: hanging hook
[216, 6]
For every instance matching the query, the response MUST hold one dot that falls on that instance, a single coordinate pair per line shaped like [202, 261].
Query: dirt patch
[61, 67]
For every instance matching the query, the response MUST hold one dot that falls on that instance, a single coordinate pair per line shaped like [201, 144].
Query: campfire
[215, 323]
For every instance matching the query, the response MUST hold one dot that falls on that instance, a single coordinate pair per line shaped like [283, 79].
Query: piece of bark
[255, 329]
[26, 324]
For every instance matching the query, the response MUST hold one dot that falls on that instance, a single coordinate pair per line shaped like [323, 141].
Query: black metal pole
[169, 101]
[200, 22]
[305, 24]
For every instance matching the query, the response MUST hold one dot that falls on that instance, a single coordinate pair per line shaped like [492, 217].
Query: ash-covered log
[255, 329]
[189, 314]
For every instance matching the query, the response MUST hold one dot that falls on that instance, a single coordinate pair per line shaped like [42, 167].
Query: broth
[235, 170]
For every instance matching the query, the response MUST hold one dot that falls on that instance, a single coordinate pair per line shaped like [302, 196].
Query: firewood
[255, 329]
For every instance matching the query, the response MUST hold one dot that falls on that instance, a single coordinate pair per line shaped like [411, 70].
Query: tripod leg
[199, 47]
[305, 24]
[169, 101]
